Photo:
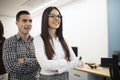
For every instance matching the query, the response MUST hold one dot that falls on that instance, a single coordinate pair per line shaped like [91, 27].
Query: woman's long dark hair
[46, 36]
[1, 30]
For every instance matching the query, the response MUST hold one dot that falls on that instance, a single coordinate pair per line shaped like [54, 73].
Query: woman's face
[54, 19]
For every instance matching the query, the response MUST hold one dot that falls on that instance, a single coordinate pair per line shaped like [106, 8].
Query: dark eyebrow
[25, 20]
[55, 14]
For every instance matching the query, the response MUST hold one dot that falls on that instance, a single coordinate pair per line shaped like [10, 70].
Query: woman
[54, 55]
[3, 74]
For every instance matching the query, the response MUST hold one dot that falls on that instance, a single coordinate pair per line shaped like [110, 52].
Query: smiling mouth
[27, 29]
[56, 23]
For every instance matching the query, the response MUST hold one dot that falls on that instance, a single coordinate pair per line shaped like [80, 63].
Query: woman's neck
[52, 33]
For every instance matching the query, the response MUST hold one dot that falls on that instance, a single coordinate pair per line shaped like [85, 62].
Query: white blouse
[58, 62]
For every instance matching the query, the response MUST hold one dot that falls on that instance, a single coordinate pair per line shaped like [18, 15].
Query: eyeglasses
[54, 16]
[25, 20]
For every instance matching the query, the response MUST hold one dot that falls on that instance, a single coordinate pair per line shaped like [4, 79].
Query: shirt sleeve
[73, 62]
[73, 59]
[42, 59]
[11, 61]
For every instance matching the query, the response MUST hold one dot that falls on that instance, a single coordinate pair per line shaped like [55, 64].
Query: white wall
[36, 29]
[10, 27]
[85, 26]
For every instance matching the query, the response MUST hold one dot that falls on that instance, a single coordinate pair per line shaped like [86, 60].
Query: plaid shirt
[15, 48]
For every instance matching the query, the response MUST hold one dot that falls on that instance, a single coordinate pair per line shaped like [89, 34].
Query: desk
[99, 71]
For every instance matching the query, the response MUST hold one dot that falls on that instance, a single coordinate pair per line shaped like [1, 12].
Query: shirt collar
[19, 38]
[55, 38]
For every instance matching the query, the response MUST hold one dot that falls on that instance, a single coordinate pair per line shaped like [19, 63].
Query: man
[18, 51]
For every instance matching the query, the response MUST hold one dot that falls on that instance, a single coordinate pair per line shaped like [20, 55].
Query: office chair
[115, 66]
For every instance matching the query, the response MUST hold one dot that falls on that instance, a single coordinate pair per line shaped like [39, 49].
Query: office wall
[113, 26]
[9, 24]
[84, 26]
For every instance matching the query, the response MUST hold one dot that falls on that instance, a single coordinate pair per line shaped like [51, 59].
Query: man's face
[24, 24]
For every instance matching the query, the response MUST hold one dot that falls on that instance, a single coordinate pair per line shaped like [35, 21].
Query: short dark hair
[1, 29]
[21, 13]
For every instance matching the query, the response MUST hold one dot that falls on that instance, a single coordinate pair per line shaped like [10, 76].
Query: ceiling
[11, 7]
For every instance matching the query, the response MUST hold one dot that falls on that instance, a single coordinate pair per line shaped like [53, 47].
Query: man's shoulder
[11, 39]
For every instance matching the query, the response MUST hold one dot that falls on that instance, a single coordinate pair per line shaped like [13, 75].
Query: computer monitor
[75, 49]
[106, 62]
